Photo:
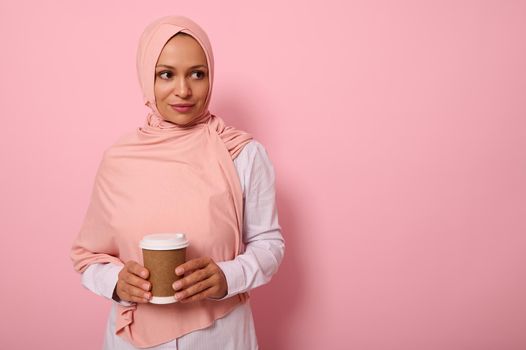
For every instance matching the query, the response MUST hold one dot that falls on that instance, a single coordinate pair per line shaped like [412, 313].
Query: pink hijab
[164, 178]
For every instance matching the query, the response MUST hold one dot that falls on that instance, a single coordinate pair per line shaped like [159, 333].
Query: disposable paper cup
[162, 253]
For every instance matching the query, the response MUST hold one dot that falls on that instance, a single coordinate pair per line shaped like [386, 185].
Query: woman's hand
[132, 284]
[204, 279]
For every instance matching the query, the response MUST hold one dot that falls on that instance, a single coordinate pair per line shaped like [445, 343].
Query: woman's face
[181, 80]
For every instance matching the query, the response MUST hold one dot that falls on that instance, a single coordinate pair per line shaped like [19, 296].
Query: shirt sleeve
[264, 243]
[101, 279]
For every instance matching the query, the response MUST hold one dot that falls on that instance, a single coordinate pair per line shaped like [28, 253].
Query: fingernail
[178, 296]
[179, 271]
[143, 274]
[176, 285]
[146, 286]
[147, 296]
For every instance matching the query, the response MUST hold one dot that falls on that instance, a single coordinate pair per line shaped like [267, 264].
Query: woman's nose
[182, 89]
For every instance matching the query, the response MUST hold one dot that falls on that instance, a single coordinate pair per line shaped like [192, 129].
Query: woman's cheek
[162, 89]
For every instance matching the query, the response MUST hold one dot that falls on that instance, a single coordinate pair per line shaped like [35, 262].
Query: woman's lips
[182, 107]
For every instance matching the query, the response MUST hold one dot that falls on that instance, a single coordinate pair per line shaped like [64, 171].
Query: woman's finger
[137, 269]
[192, 265]
[131, 287]
[207, 293]
[136, 281]
[126, 290]
[191, 279]
[194, 289]
[209, 281]
[135, 295]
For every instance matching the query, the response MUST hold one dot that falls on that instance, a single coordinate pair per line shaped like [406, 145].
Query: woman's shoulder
[252, 148]
[253, 153]
[254, 167]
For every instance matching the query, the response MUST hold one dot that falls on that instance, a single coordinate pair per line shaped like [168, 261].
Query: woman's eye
[165, 75]
[198, 74]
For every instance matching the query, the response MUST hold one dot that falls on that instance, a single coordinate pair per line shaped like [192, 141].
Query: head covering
[166, 177]
[151, 44]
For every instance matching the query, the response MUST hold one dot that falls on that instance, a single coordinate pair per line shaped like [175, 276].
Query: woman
[183, 171]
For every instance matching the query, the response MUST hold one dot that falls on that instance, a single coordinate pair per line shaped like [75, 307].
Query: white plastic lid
[164, 241]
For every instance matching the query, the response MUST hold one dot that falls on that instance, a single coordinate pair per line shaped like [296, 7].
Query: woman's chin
[180, 120]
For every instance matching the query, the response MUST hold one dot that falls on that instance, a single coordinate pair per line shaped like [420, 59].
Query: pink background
[397, 130]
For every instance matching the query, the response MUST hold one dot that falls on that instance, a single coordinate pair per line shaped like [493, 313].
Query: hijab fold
[166, 177]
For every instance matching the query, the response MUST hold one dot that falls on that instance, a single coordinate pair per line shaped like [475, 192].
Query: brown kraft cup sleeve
[162, 264]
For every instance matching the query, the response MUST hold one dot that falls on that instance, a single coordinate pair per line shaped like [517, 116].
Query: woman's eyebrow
[170, 67]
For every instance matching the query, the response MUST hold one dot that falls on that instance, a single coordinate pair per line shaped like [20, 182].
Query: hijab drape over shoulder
[166, 177]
